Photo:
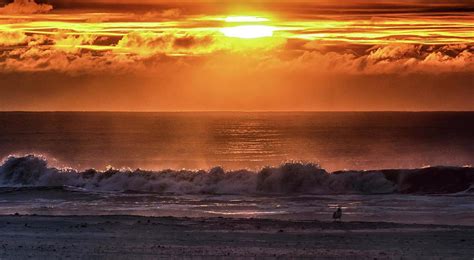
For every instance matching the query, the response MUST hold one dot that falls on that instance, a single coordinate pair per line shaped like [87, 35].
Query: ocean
[378, 166]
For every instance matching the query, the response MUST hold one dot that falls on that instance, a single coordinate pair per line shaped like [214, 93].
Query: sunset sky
[156, 55]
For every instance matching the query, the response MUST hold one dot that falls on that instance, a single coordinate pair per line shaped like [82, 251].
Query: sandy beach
[123, 237]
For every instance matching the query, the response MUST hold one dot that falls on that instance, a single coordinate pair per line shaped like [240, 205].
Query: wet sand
[125, 237]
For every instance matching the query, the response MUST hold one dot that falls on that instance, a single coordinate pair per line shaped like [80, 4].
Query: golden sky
[156, 55]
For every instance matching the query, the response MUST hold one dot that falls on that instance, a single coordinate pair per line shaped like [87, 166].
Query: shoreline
[74, 237]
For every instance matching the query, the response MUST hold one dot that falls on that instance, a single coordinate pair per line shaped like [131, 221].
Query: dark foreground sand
[123, 237]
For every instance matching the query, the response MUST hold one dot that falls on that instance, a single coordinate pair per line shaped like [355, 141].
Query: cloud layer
[136, 51]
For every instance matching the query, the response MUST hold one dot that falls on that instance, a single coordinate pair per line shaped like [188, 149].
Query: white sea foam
[290, 178]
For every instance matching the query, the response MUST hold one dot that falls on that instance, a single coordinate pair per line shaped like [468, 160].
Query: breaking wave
[33, 172]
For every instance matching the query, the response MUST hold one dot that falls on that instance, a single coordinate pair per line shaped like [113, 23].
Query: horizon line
[232, 111]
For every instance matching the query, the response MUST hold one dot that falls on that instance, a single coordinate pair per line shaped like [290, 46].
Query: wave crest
[289, 178]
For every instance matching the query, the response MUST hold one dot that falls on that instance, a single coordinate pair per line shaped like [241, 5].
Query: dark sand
[124, 237]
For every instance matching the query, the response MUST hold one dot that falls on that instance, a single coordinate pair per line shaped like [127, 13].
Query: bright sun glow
[245, 19]
[249, 31]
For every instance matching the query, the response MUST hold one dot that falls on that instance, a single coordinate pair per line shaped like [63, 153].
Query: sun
[249, 31]
[247, 27]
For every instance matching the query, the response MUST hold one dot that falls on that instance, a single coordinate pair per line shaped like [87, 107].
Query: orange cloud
[72, 43]
[418, 58]
[12, 38]
[25, 7]
[168, 14]
[390, 59]
[149, 44]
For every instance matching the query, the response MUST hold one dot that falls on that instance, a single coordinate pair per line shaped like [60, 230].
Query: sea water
[385, 166]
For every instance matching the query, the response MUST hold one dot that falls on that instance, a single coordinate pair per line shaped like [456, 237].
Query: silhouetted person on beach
[337, 215]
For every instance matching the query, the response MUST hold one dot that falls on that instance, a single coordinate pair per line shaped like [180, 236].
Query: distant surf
[33, 172]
